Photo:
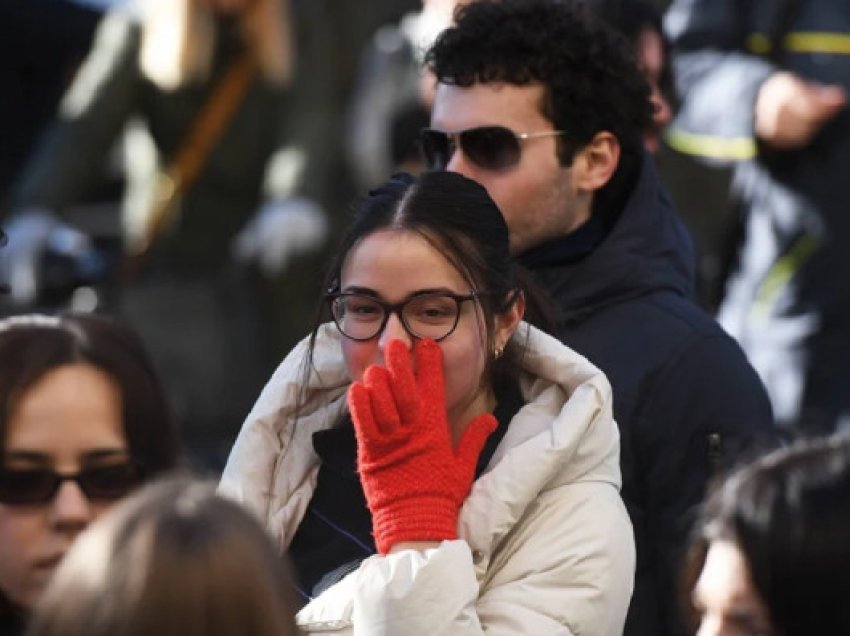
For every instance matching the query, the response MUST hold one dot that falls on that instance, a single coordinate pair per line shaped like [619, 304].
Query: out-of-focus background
[353, 110]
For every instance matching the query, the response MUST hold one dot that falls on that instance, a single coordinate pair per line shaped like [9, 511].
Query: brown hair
[31, 346]
[175, 559]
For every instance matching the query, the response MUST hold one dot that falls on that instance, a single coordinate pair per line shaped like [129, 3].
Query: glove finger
[473, 439]
[360, 406]
[377, 380]
[403, 382]
[429, 374]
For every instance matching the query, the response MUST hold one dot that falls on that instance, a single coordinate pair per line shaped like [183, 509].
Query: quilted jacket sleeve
[564, 577]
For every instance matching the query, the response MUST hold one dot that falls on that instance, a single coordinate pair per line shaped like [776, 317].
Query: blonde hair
[174, 559]
[178, 40]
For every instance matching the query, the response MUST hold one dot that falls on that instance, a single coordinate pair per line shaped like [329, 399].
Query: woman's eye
[434, 310]
[362, 309]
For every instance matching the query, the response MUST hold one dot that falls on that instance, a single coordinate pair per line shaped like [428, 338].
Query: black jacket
[685, 398]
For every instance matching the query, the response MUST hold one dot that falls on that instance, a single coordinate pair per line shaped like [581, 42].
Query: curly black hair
[591, 78]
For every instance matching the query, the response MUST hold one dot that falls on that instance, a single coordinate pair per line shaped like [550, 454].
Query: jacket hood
[567, 433]
[647, 250]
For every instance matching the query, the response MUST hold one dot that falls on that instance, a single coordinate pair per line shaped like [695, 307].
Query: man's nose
[458, 162]
[663, 114]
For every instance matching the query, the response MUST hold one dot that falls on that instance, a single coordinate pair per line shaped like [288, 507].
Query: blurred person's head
[772, 555]
[641, 23]
[174, 559]
[545, 107]
[83, 421]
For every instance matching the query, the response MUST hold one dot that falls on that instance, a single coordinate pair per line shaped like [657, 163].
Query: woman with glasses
[82, 423]
[432, 464]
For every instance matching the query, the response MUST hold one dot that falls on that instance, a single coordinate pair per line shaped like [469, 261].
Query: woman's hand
[414, 481]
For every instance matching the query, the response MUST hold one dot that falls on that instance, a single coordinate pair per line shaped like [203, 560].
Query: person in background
[431, 464]
[392, 96]
[83, 423]
[764, 87]
[34, 74]
[640, 22]
[217, 163]
[545, 106]
[771, 555]
[174, 559]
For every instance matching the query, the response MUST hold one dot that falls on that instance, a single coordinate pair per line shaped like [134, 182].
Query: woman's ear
[594, 165]
[508, 321]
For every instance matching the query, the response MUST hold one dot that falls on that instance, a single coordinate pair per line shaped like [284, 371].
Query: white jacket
[545, 544]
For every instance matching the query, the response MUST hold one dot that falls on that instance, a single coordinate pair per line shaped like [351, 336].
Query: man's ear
[594, 164]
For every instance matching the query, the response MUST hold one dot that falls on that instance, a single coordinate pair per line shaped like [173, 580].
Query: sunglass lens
[26, 486]
[109, 482]
[435, 148]
[491, 147]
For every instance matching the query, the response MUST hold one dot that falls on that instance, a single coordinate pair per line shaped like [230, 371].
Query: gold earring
[497, 353]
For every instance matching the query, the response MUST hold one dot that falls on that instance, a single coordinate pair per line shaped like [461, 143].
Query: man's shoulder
[666, 313]
[664, 337]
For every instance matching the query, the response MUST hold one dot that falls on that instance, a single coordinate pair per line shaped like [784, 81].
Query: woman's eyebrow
[105, 453]
[366, 291]
[26, 456]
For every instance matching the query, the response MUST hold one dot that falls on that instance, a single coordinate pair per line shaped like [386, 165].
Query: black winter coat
[685, 397]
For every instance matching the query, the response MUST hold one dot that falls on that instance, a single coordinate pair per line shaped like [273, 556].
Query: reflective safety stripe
[803, 42]
[780, 275]
[724, 148]
[744, 148]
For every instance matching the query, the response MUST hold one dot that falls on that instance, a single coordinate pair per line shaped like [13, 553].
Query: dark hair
[633, 18]
[33, 345]
[172, 559]
[457, 217]
[789, 513]
[588, 70]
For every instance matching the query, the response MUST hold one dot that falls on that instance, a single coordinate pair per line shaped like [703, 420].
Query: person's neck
[566, 249]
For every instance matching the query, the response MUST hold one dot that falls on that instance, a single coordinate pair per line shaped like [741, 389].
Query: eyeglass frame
[79, 478]
[453, 140]
[398, 310]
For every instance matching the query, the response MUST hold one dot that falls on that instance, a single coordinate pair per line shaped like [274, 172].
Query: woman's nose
[70, 509]
[395, 330]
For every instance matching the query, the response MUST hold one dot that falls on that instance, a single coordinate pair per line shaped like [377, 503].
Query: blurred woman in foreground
[82, 423]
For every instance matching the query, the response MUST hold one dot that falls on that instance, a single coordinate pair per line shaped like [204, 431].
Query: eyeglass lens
[40, 485]
[362, 317]
[490, 147]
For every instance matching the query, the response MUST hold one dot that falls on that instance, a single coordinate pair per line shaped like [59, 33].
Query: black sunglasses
[489, 147]
[30, 486]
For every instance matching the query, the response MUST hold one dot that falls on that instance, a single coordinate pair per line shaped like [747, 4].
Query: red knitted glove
[414, 481]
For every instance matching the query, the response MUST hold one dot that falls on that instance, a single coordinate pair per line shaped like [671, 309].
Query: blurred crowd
[608, 233]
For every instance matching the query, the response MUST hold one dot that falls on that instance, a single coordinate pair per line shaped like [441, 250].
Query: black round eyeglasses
[433, 315]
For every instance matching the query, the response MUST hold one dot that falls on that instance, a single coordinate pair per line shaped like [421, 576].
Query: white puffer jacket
[545, 545]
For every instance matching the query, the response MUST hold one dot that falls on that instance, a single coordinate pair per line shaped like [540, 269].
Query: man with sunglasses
[546, 108]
